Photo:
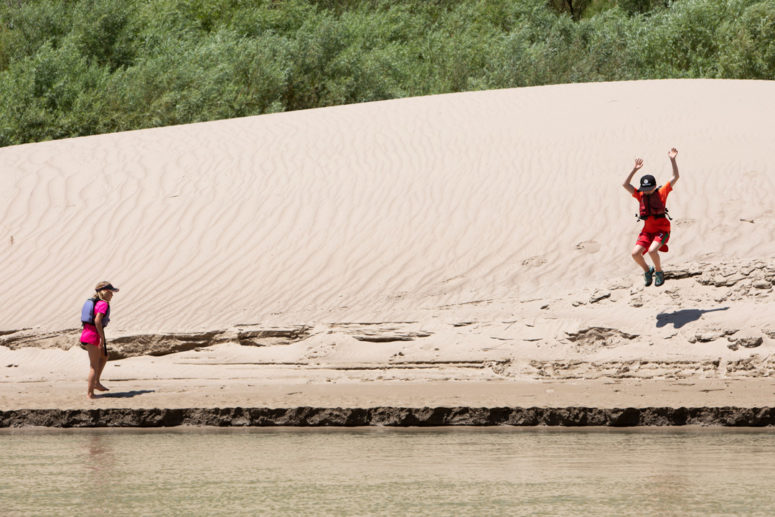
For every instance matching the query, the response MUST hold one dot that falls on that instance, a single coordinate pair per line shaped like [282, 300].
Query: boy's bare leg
[654, 254]
[637, 256]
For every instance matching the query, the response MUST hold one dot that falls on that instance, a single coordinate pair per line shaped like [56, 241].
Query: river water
[491, 471]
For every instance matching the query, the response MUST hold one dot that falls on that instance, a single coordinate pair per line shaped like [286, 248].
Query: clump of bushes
[73, 68]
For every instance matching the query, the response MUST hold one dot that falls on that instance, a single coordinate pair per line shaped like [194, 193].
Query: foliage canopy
[79, 67]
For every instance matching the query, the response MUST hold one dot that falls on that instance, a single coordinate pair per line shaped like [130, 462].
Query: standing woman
[93, 334]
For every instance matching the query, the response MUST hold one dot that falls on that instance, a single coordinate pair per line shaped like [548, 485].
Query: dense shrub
[78, 67]
[749, 43]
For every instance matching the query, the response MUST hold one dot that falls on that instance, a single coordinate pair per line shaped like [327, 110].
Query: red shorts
[646, 238]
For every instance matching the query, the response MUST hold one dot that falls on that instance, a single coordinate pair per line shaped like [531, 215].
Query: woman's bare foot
[100, 387]
[90, 395]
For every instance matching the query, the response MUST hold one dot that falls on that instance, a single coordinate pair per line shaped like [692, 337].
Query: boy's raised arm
[672, 154]
[627, 186]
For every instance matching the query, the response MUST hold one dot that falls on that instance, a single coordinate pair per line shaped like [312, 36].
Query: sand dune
[486, 226]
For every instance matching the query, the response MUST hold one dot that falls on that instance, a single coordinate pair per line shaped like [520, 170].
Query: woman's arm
[100, 329]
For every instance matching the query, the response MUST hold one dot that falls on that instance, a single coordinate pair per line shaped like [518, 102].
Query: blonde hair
[102, 293]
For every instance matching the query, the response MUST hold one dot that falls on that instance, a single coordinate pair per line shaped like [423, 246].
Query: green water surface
[387, 472]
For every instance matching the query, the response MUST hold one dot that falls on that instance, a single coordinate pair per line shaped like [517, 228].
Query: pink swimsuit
[90, 336]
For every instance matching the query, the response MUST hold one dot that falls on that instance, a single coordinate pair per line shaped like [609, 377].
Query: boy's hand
[638, 164]
[672, 153]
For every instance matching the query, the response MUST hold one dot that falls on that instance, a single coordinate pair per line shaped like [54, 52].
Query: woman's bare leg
[103, 361]
[94, 366]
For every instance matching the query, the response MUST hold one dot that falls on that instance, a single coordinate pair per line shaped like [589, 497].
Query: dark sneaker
[647, 275]
[660, 278]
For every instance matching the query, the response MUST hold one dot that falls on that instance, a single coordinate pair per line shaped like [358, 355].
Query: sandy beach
[468, 249]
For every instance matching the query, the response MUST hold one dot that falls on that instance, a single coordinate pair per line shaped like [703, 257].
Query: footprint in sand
[534, 261]
[588, 246]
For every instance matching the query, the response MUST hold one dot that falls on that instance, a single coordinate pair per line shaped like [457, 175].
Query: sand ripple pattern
[384, 209]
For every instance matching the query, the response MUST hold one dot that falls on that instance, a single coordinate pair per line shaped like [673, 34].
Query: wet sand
[213, 393]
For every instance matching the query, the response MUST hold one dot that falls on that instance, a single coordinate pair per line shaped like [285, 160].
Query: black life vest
[651, 205]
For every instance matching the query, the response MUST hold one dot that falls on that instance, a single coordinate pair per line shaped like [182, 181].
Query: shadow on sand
[682, 317]
[124, 394]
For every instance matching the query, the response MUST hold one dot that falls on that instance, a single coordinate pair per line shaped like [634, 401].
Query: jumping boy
[656, 230]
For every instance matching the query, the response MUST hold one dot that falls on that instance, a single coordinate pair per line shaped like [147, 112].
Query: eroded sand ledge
[390, 417]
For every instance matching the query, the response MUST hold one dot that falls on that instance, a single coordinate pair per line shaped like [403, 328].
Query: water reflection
[99, 457]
